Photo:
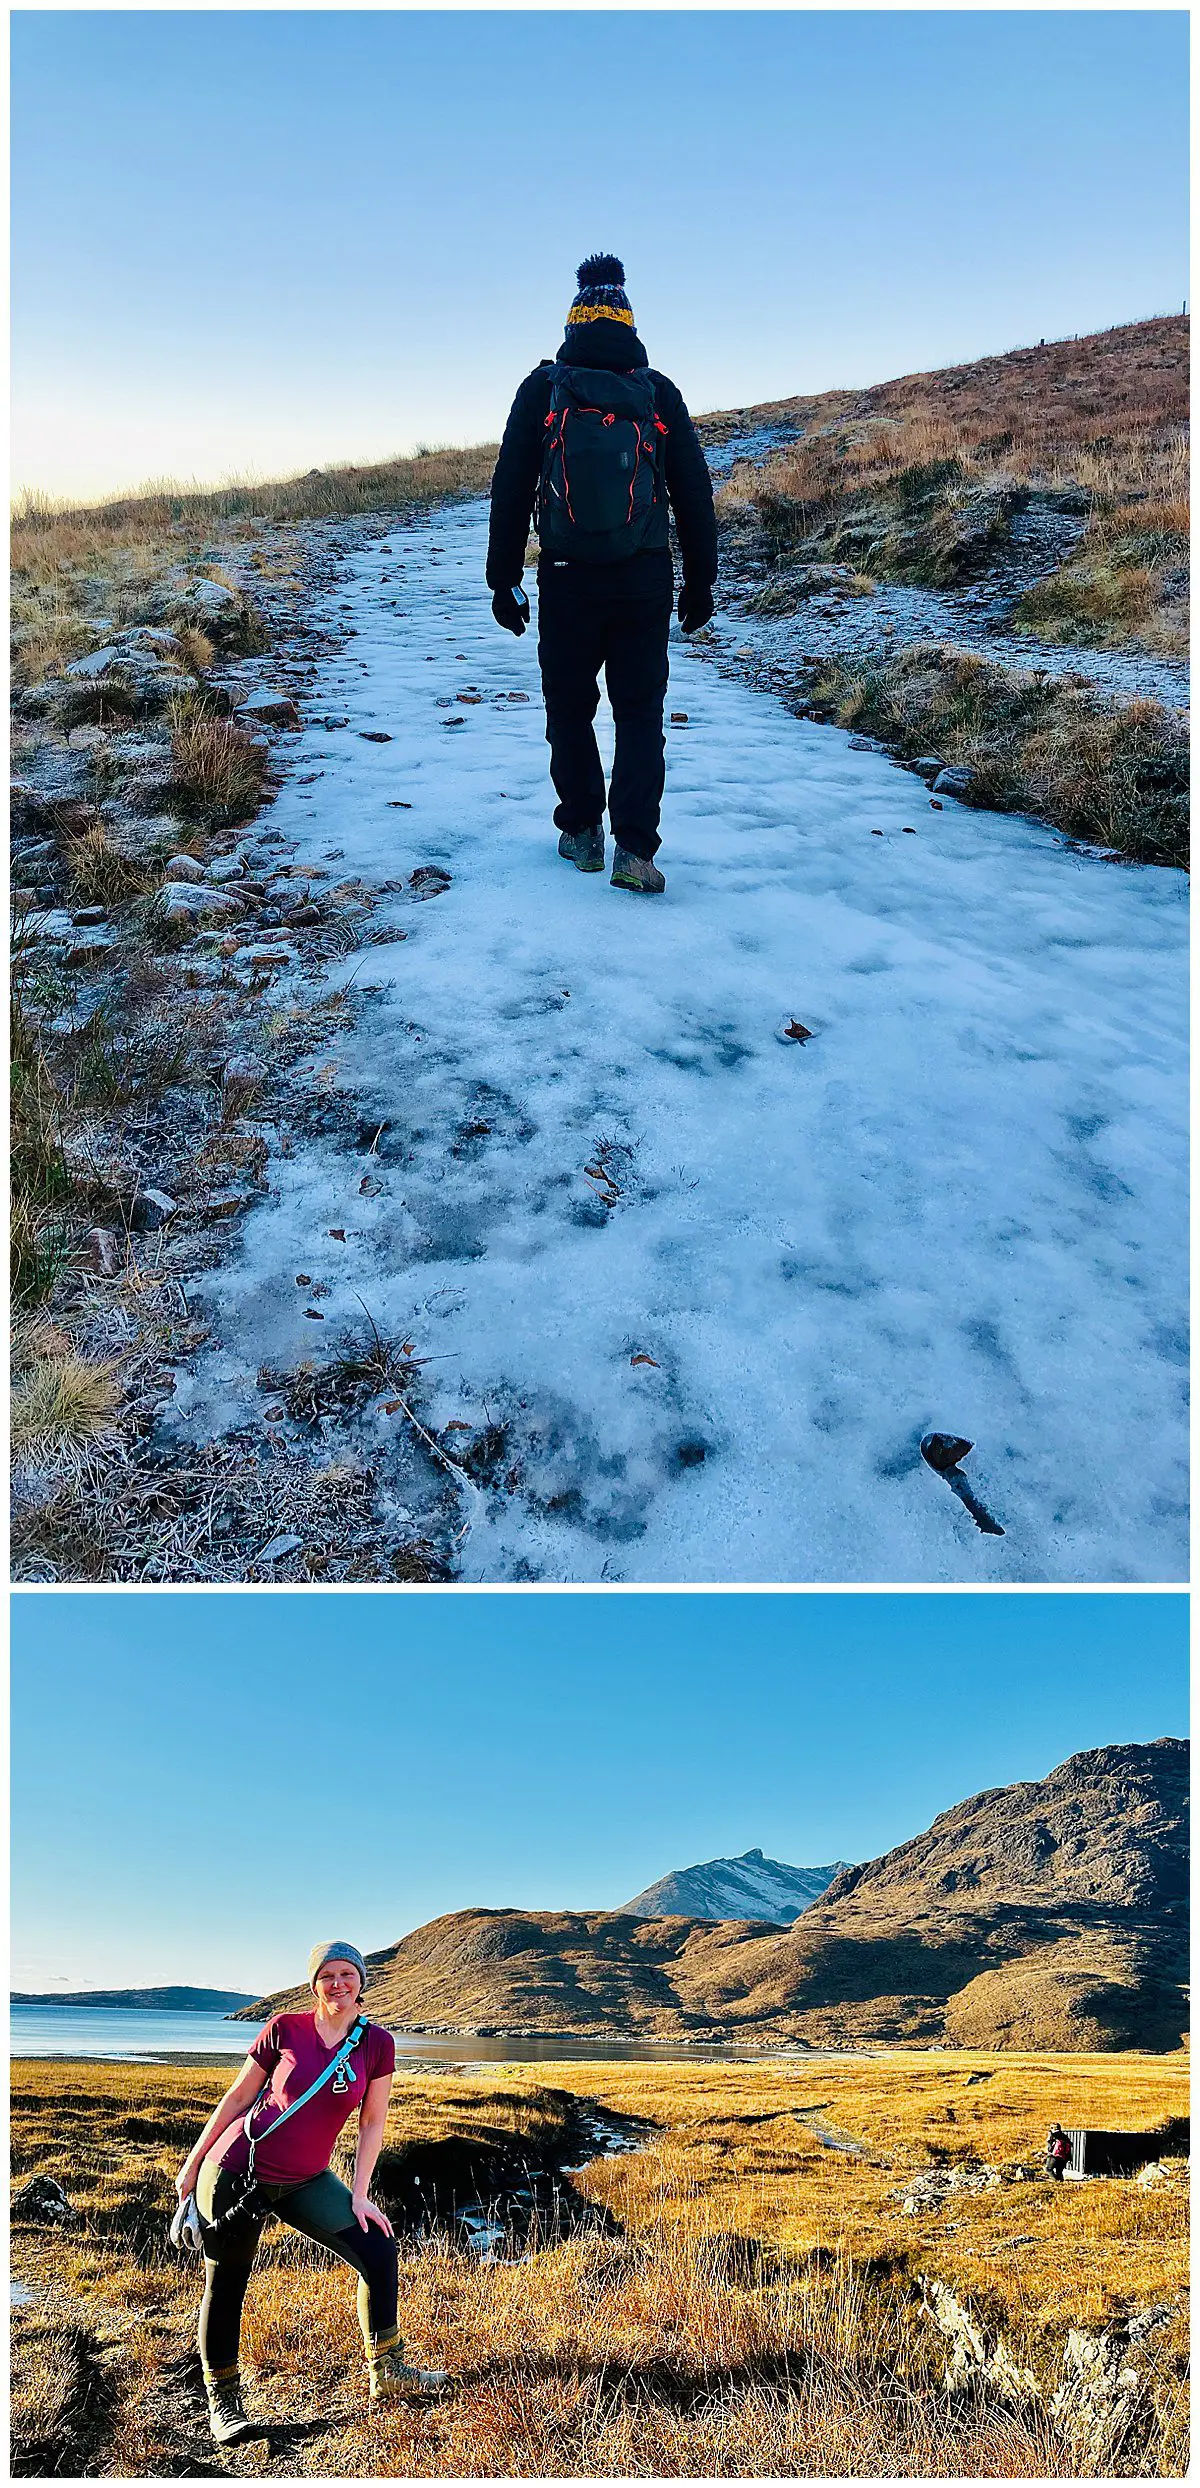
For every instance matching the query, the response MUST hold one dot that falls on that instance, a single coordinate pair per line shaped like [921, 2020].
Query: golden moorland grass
[61, 552]
[756, 2310]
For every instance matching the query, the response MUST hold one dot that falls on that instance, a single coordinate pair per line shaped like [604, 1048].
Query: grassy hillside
[755, 2302]
[919, 479]
[1052, 1914]
[1024, 1977]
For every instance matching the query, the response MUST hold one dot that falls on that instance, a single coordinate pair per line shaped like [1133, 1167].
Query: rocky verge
[984, 569]
[170, 968]
[1102, 2405]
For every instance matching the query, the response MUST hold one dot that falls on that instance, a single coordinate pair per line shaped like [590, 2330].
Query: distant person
[596, 447]
[1058, 2153]
[306, 2074]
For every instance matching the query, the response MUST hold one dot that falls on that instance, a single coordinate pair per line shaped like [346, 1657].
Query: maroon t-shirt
[292, 2055]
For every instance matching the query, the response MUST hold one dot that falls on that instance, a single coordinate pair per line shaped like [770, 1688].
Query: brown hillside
[1051, 1914]
[1070, 392]
[921, 479]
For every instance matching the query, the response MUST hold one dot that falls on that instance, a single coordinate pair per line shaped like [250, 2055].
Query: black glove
[695, 607]
[511, 608]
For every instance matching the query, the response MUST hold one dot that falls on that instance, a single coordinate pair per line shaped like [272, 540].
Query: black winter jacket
[602, 345]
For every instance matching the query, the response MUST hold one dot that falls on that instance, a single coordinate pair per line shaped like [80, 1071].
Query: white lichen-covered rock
[51, 924]
[1176, 2173]
[97, 662]
[977, 2353]
[151, 1209]
[133, 652]
[242, 1076]
[1102, 2392]
[269, 708]
[929, 2189]
[195, 903]
[212, 598]
[226, 616]
[184, 868]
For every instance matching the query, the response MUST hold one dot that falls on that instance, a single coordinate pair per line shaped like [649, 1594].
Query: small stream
[503, 2200]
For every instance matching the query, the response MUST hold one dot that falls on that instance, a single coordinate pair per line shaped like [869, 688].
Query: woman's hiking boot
[636, 872]
[584, 848]
[391, 2377]
[227, 2418]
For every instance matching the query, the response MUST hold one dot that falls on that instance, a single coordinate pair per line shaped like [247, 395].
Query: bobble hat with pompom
[601, 295]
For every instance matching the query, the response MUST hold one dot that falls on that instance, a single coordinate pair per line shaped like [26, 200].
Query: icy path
[961, 1206]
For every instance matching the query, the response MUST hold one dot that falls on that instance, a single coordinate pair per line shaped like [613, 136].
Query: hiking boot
[391, 2377]
[227, 2418]
[636, 872]
[584, 848]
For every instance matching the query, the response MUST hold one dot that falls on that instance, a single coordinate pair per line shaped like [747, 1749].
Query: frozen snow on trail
[960, 1206]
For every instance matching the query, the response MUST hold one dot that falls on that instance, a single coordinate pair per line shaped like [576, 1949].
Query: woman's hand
[365, 2211]
[185, 2183]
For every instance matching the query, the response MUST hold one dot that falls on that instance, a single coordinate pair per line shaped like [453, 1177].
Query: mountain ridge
[1049, 1915]
[142, 1999]
[774, 1892]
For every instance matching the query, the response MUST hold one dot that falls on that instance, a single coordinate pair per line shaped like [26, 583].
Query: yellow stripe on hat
[596, 311]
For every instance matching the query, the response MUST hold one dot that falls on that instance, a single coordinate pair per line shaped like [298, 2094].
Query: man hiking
[596, 447]
[1058, 2153]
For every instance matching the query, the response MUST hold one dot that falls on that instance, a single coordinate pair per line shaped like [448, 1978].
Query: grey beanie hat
[321, 1953]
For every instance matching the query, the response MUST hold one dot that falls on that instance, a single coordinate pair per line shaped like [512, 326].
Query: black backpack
[601, 496]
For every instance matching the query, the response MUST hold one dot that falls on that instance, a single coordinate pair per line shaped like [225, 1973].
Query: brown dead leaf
[338, 1234]
[303, 1279]
[311, 1314]
[644, 1360]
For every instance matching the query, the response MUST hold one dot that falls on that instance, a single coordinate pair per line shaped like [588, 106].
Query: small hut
[1098, 2152]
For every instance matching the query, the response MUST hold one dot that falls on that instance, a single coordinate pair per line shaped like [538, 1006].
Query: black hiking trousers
[614, 617]
[322, 2209]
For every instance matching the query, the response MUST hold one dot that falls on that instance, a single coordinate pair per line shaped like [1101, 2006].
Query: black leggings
[321, 2209]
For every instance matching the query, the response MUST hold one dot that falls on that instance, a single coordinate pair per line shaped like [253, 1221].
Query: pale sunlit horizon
[250, 243]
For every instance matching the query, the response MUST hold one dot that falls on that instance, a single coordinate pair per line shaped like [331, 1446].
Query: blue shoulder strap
[344, 2053]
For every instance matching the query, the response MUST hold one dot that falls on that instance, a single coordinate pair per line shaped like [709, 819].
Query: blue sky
[251, 241]
[203, 1785]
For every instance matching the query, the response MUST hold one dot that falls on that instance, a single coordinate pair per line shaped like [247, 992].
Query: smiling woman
[308, 2073]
